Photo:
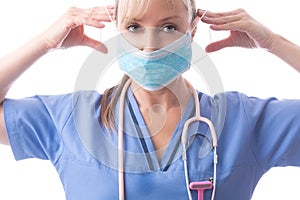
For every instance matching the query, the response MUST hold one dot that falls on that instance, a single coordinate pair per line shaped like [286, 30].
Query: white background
[254, 72]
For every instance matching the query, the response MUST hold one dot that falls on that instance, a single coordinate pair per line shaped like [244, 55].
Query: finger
[100, 13]
[76, 17]
[218, 45]
[91, 22]
[235, 25]
[102, 17]
[94, 44]
[111, 9]
[220, 14]
[200, 12]
[89, 18]
[223, 20]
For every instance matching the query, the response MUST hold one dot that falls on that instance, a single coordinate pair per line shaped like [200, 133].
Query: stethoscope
[199, 186]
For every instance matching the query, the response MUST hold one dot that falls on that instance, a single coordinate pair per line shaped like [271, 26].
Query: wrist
[41, 45]
[275, 44]
[286, 50]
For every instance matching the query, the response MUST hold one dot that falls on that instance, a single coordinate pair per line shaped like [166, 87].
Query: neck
[175, 94]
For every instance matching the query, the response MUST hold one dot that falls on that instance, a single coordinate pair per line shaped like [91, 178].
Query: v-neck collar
[173, 150]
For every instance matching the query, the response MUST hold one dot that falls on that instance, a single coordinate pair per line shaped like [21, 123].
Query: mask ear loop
[197, 19]
[111, 19]
[209, 31]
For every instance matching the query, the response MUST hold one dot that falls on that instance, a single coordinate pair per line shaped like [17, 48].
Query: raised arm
[68, 31]
[247, 32]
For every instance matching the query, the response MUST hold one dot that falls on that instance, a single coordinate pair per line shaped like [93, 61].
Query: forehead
[167, 5]
[150, 9]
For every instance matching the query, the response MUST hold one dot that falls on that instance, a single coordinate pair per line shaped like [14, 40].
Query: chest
[161, 126]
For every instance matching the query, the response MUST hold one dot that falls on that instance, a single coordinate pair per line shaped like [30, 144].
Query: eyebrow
[171, 17]
[164, 19]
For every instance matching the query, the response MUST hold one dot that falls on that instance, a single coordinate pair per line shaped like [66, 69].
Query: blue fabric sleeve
[276, 131]
[34, 125]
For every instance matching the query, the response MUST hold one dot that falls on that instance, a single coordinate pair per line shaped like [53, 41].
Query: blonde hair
[125, 11]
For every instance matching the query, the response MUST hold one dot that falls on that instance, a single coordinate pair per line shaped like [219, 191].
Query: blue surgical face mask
[155, 70]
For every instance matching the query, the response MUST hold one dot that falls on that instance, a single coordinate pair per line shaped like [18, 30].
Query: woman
[77, 131]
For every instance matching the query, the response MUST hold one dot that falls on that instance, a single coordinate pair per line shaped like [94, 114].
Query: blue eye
[169, 28]
[133, 28]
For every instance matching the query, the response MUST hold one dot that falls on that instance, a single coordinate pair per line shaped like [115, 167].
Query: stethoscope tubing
[120, 142]
[196, 118]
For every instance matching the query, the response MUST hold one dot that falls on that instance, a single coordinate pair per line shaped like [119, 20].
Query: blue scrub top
[254, 135]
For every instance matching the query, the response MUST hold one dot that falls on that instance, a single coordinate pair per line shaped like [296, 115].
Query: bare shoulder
[3, 133]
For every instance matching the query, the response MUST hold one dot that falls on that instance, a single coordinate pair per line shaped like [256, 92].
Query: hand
[244, 30]
[68, 31]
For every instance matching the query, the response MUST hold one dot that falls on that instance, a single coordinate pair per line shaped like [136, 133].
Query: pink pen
[201, 186]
